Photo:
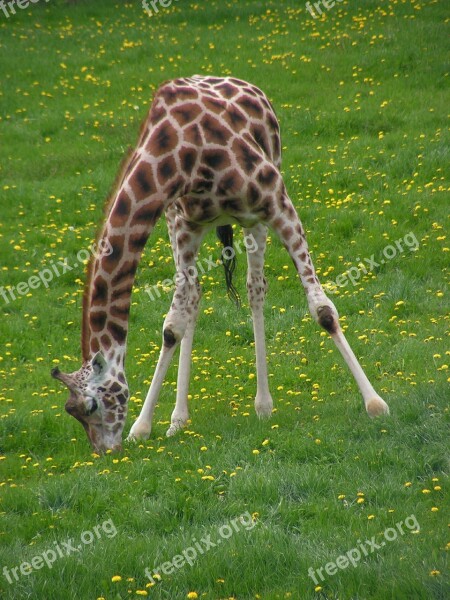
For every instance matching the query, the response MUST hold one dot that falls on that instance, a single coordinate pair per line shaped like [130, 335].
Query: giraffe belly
[207, 212]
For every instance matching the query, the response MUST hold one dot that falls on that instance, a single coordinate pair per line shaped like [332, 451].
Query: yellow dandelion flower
[141, 593]
[317, 588]
[408, 484]
[370, 517]
[434, 509]
[255, 452]
[192, 595]
[434, 572]
[116, 578]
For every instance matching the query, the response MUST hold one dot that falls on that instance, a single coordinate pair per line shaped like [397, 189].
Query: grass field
[361, 96]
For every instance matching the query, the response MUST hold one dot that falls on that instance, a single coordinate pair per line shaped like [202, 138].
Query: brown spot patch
[106, 341]
[188, 157]
[111, 261]
[235, 118]
[245, 155]
[192, 135]
[230, 205]
[251, 106]
[231, 183]
[163, 140]
[254, 195]
[141, 182]
[156, 114]
[121, 312]
[267, 176]
[128, 270]
[216, 159]
[266, 210]
[215, 106]
[261, 139]
[214, 131]
[120, 210]
[100, 291]
[148, 214]
[118, 332]
[137, 241]
[97, 320]
[166, 169]
[186, 93]
[227, 90]
[186, 113]
[287, 233]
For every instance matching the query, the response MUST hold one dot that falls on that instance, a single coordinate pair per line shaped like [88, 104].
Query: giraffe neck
[111, 274]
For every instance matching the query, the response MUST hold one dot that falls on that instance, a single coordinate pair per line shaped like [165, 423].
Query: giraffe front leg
[174, 329]
[142, 427]
[257, 287]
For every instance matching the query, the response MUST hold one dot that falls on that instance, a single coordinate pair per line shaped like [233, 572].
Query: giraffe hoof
[376, 407]
[139, 432]
[175, 428]
[264, 407]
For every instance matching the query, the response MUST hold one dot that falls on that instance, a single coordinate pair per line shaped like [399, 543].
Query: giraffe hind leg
[257, 287]
[290, 230]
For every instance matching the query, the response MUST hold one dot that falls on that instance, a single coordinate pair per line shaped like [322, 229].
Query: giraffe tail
[225, 235]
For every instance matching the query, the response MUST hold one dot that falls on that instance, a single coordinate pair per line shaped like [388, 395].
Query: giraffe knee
[327, 319]
[169, 337]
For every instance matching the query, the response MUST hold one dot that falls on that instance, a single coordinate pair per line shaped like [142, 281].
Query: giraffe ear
[98, 364]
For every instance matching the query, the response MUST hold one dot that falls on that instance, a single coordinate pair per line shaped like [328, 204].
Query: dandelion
[192, 595]
[116, 578]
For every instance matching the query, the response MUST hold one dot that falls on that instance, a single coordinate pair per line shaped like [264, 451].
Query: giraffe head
[98, 399]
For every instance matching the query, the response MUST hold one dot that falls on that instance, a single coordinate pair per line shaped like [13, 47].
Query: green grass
[361, 96]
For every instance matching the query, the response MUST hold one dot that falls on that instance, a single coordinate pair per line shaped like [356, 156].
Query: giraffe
[208, 155]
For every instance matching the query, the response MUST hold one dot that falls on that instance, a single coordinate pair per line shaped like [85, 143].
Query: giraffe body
[209, 154]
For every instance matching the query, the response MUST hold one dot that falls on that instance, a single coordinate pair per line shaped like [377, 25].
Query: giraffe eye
[92, 408]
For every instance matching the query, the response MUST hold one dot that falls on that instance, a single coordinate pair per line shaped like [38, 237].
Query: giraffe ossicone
[208, 155]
